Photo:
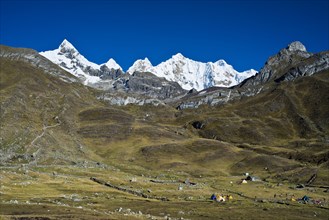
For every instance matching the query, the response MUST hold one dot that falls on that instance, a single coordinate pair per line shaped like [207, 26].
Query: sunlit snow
[193, 74]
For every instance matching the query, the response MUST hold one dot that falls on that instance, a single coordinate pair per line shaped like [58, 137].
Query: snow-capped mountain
[69, 58]
[187, 73]
[193, 74]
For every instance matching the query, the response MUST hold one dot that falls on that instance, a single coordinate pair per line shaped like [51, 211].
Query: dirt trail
[44, 129]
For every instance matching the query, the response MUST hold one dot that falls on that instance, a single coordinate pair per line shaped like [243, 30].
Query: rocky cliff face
[142, 88]
[289, 64]
[151, 85]
[138, 88]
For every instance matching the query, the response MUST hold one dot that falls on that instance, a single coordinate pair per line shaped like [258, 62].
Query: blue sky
[244, 33]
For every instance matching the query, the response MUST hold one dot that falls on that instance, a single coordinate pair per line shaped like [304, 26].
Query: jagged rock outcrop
[153, 86]
[307, 69]
[296, 46]
[124, 99]
[104, 73]
[278, 64]
[141, 88]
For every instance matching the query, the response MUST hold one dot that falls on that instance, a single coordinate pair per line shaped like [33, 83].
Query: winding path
[43, 132]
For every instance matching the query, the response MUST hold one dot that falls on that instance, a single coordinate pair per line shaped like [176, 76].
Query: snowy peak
[66, 45]
[111, 64]
[69, 59]
[141, 66]
[178, 56]
[146, 61]
[68, 50]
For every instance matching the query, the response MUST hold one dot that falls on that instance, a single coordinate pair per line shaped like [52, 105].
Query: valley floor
[130, 192]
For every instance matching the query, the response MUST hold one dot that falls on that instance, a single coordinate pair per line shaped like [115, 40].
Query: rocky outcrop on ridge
[141, 88]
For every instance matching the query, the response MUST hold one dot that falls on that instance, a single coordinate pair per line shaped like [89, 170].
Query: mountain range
[189, 74]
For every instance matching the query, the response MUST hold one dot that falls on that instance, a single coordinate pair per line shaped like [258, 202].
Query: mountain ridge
[189, 74]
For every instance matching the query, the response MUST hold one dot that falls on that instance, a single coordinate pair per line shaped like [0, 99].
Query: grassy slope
[30, 101]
